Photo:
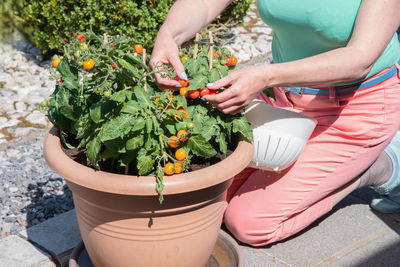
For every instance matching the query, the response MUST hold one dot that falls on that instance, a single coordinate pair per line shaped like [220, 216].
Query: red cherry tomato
[204, 91]
[194, 94]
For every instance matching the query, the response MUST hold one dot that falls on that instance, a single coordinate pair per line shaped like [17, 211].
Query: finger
[219, 98]
[178, 67]
[162, 80]
[224, 82]
[166, 81]
[233, 109]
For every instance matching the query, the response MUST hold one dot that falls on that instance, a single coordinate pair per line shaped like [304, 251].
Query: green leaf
[156, 126]
[145, 164]
[68, 110]
[214, 75]
[160, 183]
[95, 112]
[70, 83]
[127, 158]
[129, 67]
[137, 60]
[93, 152]
[142, 97]
[198, 82]
[83, 125]
[116, 127]
[131, 107]
[171, 128]
[199, 146]
[242, 125]
[120, 96]
[149, 125]
[221, 140]
[109, 153]
[135, 142]
[224, 70]
[209, 128]
[138, 125]
[117, 144]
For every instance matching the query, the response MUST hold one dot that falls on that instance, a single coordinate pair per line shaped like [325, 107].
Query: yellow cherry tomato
[55, 62]
[88, 64]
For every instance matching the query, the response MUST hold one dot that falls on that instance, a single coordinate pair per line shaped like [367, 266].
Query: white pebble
[37, 117]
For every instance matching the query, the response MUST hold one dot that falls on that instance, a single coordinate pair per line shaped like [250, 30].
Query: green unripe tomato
[190, 125]
[83, 46]
[107, 93]
[77, 53]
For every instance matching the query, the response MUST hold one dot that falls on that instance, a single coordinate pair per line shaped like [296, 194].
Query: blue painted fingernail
[209, 84]
[178, 85]
[184, 76]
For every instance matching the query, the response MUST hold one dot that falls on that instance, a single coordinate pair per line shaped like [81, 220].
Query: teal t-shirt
[310, 27]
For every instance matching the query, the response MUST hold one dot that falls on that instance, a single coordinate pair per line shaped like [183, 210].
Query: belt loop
[332, 94]
[398, 68]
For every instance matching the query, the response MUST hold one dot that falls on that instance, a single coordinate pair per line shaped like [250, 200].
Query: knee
[249, 229]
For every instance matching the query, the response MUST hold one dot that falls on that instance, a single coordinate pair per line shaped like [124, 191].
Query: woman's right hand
[165, 51]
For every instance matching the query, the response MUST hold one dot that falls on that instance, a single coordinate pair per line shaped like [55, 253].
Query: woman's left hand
[242, 86]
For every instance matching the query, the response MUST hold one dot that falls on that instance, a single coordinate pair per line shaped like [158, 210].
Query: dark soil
[197, 163]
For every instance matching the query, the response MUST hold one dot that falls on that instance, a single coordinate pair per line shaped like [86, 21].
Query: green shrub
[49, 24]
[7, 19]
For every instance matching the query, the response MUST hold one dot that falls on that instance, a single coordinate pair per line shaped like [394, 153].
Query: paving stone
[58, 235]
[350, 221]
[384, 251]
[257, 258]
[17, 252]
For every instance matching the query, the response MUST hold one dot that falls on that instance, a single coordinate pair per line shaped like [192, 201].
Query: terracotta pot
[122, 222]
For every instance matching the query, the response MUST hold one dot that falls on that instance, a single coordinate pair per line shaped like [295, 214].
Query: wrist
[266, 75]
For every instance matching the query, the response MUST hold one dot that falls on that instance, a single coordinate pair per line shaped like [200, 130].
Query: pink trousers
[352, 130]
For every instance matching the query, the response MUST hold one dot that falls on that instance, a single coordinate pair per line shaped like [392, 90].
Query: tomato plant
[118, 117]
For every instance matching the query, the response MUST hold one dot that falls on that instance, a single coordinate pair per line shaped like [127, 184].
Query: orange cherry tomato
[183, 92]
[215, 54]
[184, 111]
[204, 91]
[182, 135]
[183, 83]
[81, 37]
[157, 99]
[169, 168]
[138, 48]
[194, 94]
[233, 61]
[55, 62]
[180, 154]
[173, 141]
[177, 167]
[88, 64]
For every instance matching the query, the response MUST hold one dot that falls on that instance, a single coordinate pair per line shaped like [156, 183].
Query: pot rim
[77, 173]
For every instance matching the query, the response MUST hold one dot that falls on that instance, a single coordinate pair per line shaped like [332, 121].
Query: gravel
[31, 192]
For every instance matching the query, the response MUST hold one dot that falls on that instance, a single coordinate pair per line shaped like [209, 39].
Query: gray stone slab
[350, 221]
[17, 252]
[58, 235]
[384, 251]
[254, 257]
